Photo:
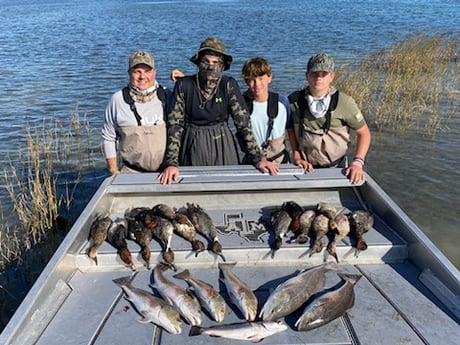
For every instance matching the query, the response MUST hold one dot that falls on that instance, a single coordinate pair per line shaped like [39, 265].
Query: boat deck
[396, 302]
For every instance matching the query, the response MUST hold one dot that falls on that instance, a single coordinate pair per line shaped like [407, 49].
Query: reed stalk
[38, 179]
[414, 85]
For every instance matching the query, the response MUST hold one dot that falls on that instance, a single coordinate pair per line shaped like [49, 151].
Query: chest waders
[272, 111]
[336, 135]
[142, 158]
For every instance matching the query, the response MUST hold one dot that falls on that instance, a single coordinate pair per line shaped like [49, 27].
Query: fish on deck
[152, 308]
[330, 305]
[250, 331]
[294, 292]
[187, 305]
[209, 298]
[239, 292]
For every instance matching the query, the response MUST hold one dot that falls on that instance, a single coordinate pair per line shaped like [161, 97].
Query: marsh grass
[412, 85]
[37, 181]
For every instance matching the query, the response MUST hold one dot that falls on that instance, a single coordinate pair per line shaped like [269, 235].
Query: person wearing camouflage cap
[198, 131]
[134, 125]
[323, 118]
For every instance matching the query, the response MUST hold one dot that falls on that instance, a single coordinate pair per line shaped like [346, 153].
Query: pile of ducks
[142, 224]
[318, 223]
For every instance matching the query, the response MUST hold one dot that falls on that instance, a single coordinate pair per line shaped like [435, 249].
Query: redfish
[152, 309]
[209, 298]
[240, 294]
[330, 305]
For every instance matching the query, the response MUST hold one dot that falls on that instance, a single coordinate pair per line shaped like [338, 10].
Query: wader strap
[135, 167]
[332, 106]
[279, 154]
[303, 105]
[272, 114]
[330, 165]
[130, 101]
[161, 94]
[272, 111]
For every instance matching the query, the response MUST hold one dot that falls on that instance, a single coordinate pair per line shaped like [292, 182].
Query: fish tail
[184, 275]
[123, 280]
[350, 277]
[195, 330]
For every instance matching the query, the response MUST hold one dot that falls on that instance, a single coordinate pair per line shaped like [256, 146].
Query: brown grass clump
[416, 81]
[52, 153]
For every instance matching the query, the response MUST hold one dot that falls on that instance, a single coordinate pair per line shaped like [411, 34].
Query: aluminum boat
[408, 294]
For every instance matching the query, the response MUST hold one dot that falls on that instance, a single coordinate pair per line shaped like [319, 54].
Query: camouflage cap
[141, 57]
[212, 44]
[320, 62]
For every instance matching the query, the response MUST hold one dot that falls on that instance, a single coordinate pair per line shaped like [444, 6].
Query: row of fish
[319, 222]
[307, 288]
[142, 224]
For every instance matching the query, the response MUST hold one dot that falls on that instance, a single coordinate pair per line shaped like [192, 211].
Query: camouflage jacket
[188, 108]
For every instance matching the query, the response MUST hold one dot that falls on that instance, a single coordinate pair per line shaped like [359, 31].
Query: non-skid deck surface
[385, 311]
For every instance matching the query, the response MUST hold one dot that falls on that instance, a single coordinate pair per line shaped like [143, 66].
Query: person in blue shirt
[270, 112]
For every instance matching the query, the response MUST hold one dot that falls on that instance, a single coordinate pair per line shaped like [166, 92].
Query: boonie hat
[141, 57]
[320, 62]
[214, 45]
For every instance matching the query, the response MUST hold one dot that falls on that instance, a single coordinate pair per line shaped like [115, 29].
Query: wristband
[359, 159]
[356, 163]
[113, 169]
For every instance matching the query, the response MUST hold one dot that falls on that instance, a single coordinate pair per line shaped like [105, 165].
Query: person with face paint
[323, 119]
[198, 130]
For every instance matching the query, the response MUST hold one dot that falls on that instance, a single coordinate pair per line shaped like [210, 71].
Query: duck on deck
[408, 293]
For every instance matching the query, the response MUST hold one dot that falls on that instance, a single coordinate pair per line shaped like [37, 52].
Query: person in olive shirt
[198, 130]
[323, 118]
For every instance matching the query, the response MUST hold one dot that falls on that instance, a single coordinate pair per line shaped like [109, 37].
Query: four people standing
[197, 123]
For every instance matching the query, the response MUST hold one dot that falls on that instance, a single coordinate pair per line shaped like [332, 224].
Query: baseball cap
[320, 62]
[141, 57]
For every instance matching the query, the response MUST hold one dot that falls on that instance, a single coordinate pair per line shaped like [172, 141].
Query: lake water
[56, 56]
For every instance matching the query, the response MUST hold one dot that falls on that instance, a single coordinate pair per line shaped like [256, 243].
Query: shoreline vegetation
[413, 85]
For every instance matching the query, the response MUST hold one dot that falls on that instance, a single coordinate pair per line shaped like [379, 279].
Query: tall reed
[412, 85]
[53, 154]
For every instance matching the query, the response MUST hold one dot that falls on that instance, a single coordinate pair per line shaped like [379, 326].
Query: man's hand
[267, 166]
[169, 175]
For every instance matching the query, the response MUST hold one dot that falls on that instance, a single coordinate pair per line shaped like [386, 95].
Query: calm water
[59, 55]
